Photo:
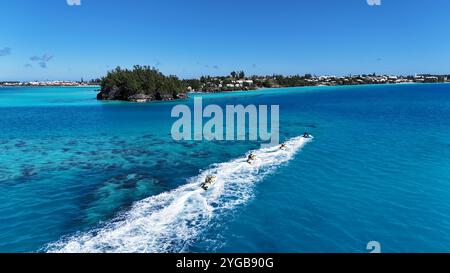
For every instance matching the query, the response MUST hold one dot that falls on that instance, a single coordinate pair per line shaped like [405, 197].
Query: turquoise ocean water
[87, 176]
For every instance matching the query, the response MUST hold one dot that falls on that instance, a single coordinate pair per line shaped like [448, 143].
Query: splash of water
[171, 221]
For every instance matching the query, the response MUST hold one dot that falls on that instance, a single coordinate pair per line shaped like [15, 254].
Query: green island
[145, 83]
[141, 84]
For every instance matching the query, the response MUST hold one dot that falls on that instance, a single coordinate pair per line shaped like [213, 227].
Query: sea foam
[172, 221]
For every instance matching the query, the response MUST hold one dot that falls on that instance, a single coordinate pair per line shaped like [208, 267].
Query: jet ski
[251, 158]
[283, 146]
[307, 135]
[209, 181]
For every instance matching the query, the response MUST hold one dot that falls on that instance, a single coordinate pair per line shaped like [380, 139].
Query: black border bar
[218, 262]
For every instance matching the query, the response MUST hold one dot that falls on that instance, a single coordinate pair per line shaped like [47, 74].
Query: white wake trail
[171, 221]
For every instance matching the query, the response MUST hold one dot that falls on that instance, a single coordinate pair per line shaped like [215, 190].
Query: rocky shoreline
[140, 98]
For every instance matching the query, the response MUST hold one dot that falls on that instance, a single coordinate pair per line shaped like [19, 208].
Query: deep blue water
[81, 175]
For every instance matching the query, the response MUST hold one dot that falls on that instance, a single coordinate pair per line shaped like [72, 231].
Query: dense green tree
[123, 84]
[195, 84]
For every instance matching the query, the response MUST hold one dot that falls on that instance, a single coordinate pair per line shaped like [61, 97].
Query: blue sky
[48, 39]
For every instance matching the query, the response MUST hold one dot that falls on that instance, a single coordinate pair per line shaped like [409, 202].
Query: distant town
[49, 83]
[237, 80]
